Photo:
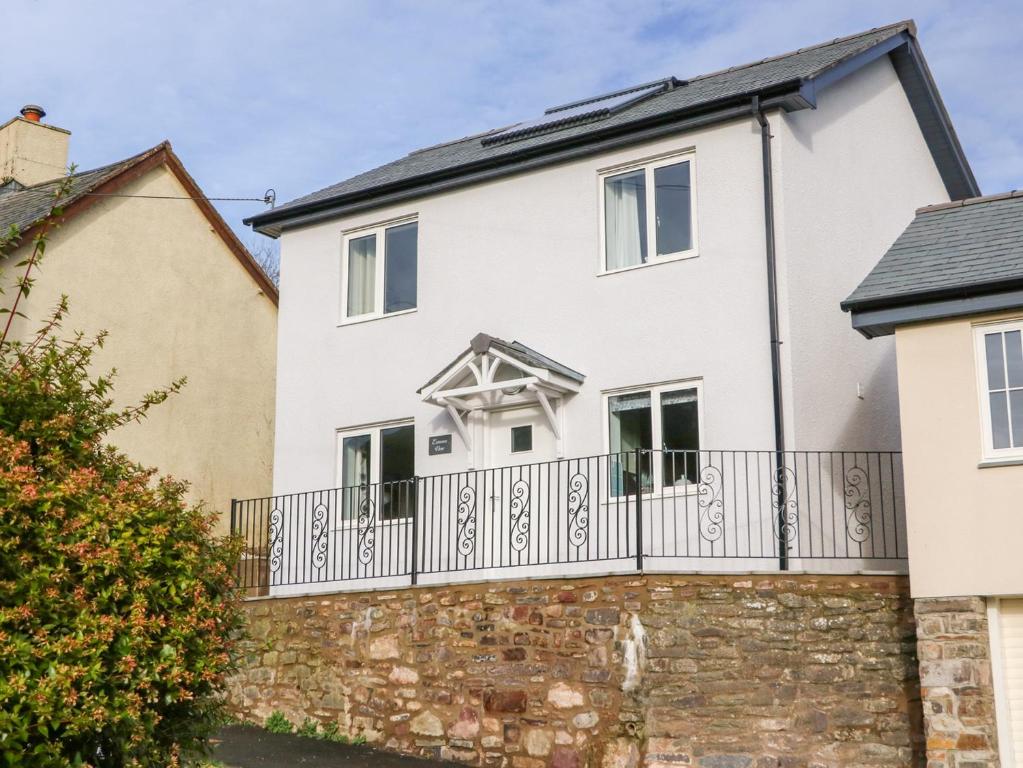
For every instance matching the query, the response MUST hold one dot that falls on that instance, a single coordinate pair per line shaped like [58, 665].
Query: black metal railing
[654, 510]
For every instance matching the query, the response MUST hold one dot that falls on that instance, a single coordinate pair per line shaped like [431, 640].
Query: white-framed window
[664, 419]
[522, 438]
[379, 270]
[999, 354]
[648, 213]
[376, 465]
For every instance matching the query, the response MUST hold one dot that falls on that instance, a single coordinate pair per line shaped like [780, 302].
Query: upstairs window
[648, 214]
[1000, 364]
[379, 272]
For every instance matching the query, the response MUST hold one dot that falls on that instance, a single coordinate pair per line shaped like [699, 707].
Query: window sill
[353, 525]
[671, 492]
[652, 263]
[369, 318]
[1008, 461]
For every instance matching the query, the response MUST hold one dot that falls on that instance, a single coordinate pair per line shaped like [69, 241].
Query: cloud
[300, 95]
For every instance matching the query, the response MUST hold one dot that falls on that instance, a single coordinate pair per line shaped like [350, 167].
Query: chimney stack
[31, 151]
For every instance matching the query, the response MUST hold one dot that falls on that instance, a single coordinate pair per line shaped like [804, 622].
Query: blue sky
[301, 94]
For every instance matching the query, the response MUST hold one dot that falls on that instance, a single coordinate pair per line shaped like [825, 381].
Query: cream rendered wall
[850, 175]
[518, 258]
[176, 302]
[965, 521]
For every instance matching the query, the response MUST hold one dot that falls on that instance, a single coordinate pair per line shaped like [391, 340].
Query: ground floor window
[665, 417]
[376, 466]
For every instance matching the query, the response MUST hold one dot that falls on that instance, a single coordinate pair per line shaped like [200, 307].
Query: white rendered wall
[519, 259]
[850, 175]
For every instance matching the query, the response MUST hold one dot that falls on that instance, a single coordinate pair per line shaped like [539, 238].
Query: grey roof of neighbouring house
[953, 259]
[29, 205]
[790, 81]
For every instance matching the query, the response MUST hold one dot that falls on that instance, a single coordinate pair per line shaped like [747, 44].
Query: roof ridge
[1014, 193]
[103, 168]
[905, 23]
[908, 24]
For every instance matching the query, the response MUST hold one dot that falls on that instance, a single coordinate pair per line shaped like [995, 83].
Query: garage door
[1011, 621]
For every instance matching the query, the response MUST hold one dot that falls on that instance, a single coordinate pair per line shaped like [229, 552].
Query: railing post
[639, 511]
[781, 504]
[234, 505]
[414, 570]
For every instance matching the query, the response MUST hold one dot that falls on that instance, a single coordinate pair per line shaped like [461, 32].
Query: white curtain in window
[624, 197]
[362, 269]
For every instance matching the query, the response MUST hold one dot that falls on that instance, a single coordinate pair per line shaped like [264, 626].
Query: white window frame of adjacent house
[649, 166]
[375, 454]
[989, 454]
[657, 427]
[379, 231]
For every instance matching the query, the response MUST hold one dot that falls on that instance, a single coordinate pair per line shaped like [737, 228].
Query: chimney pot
[33, 112]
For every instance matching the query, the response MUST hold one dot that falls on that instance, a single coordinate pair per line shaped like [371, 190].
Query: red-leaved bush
[117, 607]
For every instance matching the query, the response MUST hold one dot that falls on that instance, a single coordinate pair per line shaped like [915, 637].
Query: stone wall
[955, 682]
[616, 672]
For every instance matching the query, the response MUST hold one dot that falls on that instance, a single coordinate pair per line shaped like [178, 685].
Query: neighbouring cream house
[950, 290]
[142, 254]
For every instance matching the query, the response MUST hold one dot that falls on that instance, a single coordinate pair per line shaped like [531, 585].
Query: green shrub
[332, 732]
[117, 608]
[278, 723]
[308, 728]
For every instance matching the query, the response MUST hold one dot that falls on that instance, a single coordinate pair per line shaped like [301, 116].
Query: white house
[610, 324]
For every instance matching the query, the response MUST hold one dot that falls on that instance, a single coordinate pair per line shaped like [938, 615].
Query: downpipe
[772, 308]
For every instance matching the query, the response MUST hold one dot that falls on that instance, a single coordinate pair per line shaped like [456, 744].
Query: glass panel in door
[680, 435]
[630, 429]
[397, 471]
[355, 473]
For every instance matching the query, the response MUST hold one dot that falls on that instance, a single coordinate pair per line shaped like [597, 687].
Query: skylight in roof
[594, 108]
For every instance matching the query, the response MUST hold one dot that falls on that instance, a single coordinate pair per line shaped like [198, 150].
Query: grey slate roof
[25, 207]
[529, 356]
[950, 250]
[705, 92]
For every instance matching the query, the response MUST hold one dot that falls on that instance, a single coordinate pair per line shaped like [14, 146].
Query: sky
[298, 95]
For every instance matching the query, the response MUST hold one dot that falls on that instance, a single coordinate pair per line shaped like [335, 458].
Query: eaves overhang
[272, 223]
[882, 317]
[796, 94]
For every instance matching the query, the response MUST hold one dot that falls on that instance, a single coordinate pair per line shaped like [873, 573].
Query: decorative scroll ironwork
[712, 507]
[466, 520]
[785, 506]
[520, 515]
[578, 509]
[367, 528]
[319, 547]
[276, 540]
[857, 504]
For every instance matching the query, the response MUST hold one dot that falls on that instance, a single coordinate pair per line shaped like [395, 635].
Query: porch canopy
[494, 373]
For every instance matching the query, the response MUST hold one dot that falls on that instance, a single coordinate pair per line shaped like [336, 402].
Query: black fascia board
[938, 294]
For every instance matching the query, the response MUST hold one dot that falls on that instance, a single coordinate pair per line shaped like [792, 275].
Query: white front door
[521, 435]
[519, 482]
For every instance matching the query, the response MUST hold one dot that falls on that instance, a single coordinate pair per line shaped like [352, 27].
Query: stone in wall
[955, 682]
[612, 672]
